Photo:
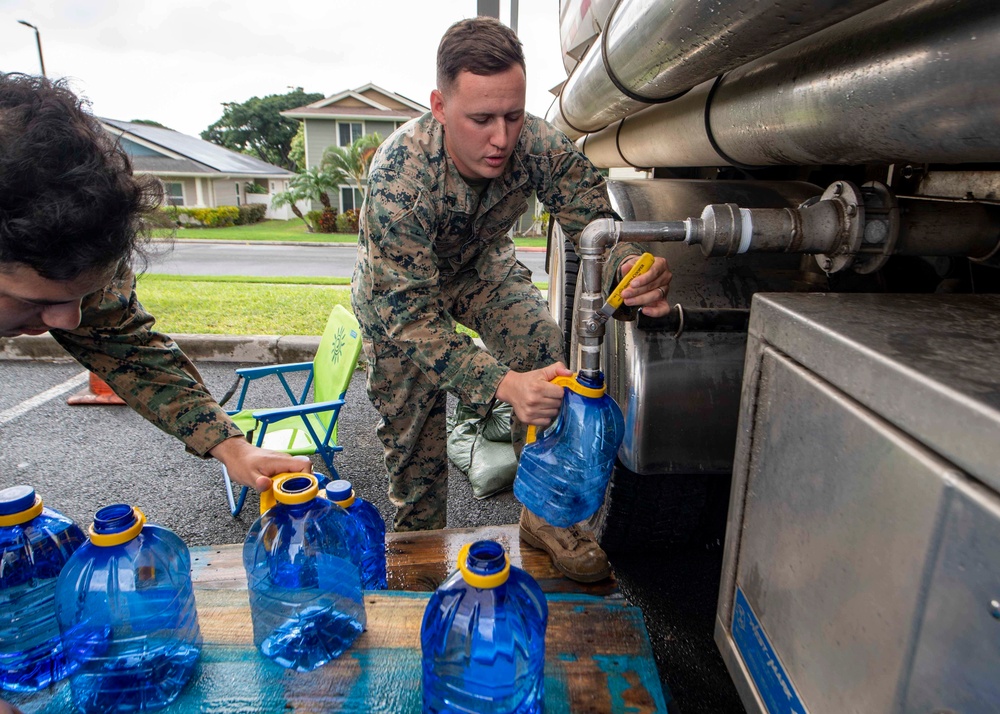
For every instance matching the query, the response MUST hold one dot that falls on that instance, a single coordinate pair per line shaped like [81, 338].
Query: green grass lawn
[241, 305]
[251, 306]
[293, 230]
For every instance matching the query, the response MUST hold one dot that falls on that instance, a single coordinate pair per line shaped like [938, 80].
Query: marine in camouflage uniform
[434, 252]
[71, 213]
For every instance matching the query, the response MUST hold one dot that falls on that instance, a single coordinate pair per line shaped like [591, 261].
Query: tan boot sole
[535, 542]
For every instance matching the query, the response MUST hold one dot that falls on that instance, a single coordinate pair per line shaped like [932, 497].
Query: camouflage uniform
[433, 253]
[146, 368]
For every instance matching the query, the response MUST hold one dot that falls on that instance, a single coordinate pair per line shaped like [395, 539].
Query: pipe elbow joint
[598, 235]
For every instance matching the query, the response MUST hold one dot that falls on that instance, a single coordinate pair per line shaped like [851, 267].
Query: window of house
[350, 198]
[173, 193]
[350, 132]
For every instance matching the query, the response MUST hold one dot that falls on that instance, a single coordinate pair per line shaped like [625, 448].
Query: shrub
[254, 187]
[328, 221]
[209, 217]
[251, 213]
[347, 222]
[165, 217]
[312, 218]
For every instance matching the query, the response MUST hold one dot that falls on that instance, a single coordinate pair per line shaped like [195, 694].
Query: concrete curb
[256, 349]
[216, 241]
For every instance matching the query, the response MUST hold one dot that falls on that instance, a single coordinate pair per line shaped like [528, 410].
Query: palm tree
[290, 198]
[316, 183]
[353, 160]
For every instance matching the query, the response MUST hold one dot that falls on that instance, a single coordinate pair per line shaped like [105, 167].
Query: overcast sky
[176, 62]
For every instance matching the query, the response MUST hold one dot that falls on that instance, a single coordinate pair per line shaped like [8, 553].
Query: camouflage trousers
[513, 320]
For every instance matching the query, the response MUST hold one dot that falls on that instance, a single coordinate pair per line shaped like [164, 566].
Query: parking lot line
[42, 397]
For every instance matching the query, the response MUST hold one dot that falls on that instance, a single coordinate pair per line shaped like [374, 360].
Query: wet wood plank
[598, 660]
[598, 655]
[418, 561]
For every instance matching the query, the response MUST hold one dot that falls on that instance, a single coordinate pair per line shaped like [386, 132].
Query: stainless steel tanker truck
[824, 179]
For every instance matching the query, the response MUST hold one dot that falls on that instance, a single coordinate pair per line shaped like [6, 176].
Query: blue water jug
[372, 529]
[35, 543]
[126, 611]
[483, 637]
[562, 476]
[302, 558]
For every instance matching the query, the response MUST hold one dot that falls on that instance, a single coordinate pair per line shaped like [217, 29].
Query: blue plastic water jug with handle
[483, 638]
[563, 474]
[35, 543]
[303, 565]
[126, 611]
[372, 527]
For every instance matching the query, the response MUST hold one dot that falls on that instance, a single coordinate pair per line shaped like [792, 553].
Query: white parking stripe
[39, 399]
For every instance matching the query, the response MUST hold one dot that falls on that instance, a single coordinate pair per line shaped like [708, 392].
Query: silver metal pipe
[655, 50]
[596, 238]
[909, 80]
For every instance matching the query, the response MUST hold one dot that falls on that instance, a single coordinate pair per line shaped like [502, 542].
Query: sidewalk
[264, 349]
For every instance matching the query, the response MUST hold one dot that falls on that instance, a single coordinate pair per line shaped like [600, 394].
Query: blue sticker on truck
[766, 671]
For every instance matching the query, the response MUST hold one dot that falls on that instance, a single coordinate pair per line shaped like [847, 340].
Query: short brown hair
[481, 45]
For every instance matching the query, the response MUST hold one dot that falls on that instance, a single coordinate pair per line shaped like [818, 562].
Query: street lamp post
[38, 39]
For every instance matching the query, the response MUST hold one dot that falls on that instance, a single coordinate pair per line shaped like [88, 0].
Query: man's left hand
[251, 466]
[649, 290]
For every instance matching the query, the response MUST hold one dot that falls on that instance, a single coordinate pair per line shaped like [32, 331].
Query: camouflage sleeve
[115, 340]
[405, 295]
[575, 193]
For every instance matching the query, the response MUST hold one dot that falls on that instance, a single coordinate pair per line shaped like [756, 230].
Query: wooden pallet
[598, 656]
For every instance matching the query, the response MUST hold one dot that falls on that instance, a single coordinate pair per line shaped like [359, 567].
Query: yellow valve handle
[644, 263]
[572, 384]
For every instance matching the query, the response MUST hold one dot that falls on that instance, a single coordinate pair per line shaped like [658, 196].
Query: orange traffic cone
[98, 392]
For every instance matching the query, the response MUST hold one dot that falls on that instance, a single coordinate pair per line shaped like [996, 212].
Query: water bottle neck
[341, 493]
[117, 524]
[18, 504]
[484, 564]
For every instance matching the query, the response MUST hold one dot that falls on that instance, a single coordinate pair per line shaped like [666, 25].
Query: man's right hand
[532, 395]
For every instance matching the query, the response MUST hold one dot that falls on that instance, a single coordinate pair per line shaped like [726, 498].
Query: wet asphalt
[82, 458]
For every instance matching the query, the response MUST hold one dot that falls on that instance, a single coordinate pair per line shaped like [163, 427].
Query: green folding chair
[303, 428]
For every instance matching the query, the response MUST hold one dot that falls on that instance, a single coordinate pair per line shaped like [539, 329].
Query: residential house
[197, 173]
[340, 119]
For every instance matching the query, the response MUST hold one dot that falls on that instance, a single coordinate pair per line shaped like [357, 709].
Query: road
[269, 260]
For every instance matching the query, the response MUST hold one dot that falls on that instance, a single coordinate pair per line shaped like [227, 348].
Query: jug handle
[572, 384]
[267, 499]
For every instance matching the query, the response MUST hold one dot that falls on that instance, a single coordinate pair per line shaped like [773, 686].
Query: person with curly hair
[73, 222]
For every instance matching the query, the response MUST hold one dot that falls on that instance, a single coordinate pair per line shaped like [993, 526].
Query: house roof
[368, 101]
[180, 153]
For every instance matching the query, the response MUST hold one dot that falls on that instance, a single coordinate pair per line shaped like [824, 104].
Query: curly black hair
[69, 203]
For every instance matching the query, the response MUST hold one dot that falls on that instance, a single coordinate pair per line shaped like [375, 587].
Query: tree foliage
[316, 184]
[290, 198]
[353, 160]
[256, 126]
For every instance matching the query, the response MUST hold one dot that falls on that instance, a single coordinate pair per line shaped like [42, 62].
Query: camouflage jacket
[422, 224]
[147, 369]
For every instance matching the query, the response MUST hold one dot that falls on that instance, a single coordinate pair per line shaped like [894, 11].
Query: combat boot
[574, 551]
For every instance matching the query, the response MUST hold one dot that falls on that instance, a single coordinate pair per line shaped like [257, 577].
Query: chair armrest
[272, 415]
[256, 372]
